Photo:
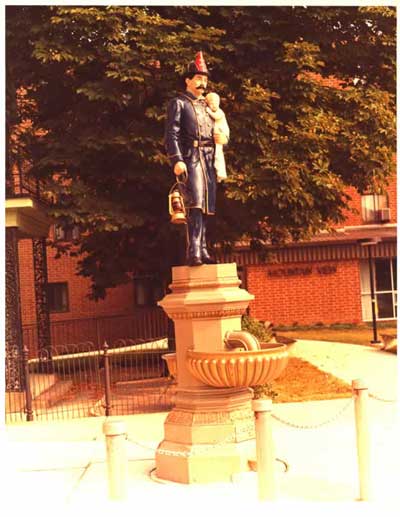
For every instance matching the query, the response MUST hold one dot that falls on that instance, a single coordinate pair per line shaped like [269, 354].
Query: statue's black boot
[195, 224]
[205, 256]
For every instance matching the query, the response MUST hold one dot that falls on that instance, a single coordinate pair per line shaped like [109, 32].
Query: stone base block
[208, 437]
[206, 463]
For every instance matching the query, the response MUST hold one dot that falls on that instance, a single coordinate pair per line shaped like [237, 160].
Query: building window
[148, 290]
[385, 284]
[64, 232]
[375, 208]
[58, 297]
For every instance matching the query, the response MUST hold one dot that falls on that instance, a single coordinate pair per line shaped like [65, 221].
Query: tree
[99, 78]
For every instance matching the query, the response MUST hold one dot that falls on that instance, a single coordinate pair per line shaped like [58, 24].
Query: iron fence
[144, 323]
[82, 380]
[21, 183]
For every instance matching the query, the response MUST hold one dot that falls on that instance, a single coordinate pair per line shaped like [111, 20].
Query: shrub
[262, 331]
[264, 391]
[342, 326]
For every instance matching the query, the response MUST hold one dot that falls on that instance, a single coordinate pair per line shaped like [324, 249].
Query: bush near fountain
[264, 332]
[300, 381]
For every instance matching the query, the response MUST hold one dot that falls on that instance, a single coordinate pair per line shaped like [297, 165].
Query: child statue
[220, 126]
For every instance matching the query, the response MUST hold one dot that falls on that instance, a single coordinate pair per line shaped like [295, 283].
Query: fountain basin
[170, 359]
[231, 369]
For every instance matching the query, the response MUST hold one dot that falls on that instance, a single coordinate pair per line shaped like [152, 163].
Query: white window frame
[65, 307]
[366, 292]
[60, 233]
[371, 204]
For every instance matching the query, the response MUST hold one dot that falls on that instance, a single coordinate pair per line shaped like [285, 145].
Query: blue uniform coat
[189, 138]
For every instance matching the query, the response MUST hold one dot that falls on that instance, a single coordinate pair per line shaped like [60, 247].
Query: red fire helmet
[198, 66]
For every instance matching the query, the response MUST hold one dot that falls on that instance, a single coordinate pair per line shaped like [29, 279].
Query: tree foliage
[98, 80]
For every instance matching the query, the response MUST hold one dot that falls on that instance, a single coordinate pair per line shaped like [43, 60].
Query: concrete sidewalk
[62, 465]
[347, 362]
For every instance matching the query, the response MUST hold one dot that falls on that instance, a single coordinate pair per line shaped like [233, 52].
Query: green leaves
[309, 95]
[303, 54]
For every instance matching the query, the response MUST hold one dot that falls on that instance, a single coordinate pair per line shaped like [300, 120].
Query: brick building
[324, 280]
[67, 291]
[327, 280]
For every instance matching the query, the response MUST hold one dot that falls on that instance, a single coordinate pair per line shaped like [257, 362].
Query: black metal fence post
[28, 393]
[107, 380]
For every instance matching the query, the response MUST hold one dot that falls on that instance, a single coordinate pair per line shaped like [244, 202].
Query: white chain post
[363, 438]
[265, 449]
[117, 462]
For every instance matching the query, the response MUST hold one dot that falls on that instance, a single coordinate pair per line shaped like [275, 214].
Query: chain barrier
[330, 420]
[314, 426]
[231, 439]
[190, 454]
[181, 454]
[200, 449]
[376, 397]
[140, 444]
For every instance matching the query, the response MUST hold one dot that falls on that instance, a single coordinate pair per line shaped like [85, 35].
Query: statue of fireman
[190, 143]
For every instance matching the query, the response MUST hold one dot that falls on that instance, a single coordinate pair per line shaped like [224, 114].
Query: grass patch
[302, 381]
[354, 335]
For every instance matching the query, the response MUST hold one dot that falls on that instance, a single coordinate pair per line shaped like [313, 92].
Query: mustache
[200, 87]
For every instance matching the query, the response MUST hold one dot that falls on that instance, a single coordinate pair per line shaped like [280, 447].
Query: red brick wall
[392, 191]
[26, 281]
[119, 300]
[313, 298]
[356, 219]
[353, 219]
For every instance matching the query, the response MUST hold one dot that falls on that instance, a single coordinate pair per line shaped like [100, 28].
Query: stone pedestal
[209, 435]
[205, 303]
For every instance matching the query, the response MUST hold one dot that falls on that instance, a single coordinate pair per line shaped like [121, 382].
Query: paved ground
[60, 466]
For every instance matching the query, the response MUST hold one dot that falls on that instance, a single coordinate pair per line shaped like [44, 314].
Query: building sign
[326, 270]
[302, 271]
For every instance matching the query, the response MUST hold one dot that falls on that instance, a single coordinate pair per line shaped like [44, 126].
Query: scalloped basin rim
[225, 368]
[275, 348]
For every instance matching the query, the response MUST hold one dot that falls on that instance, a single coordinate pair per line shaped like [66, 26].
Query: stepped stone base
[209, 436]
